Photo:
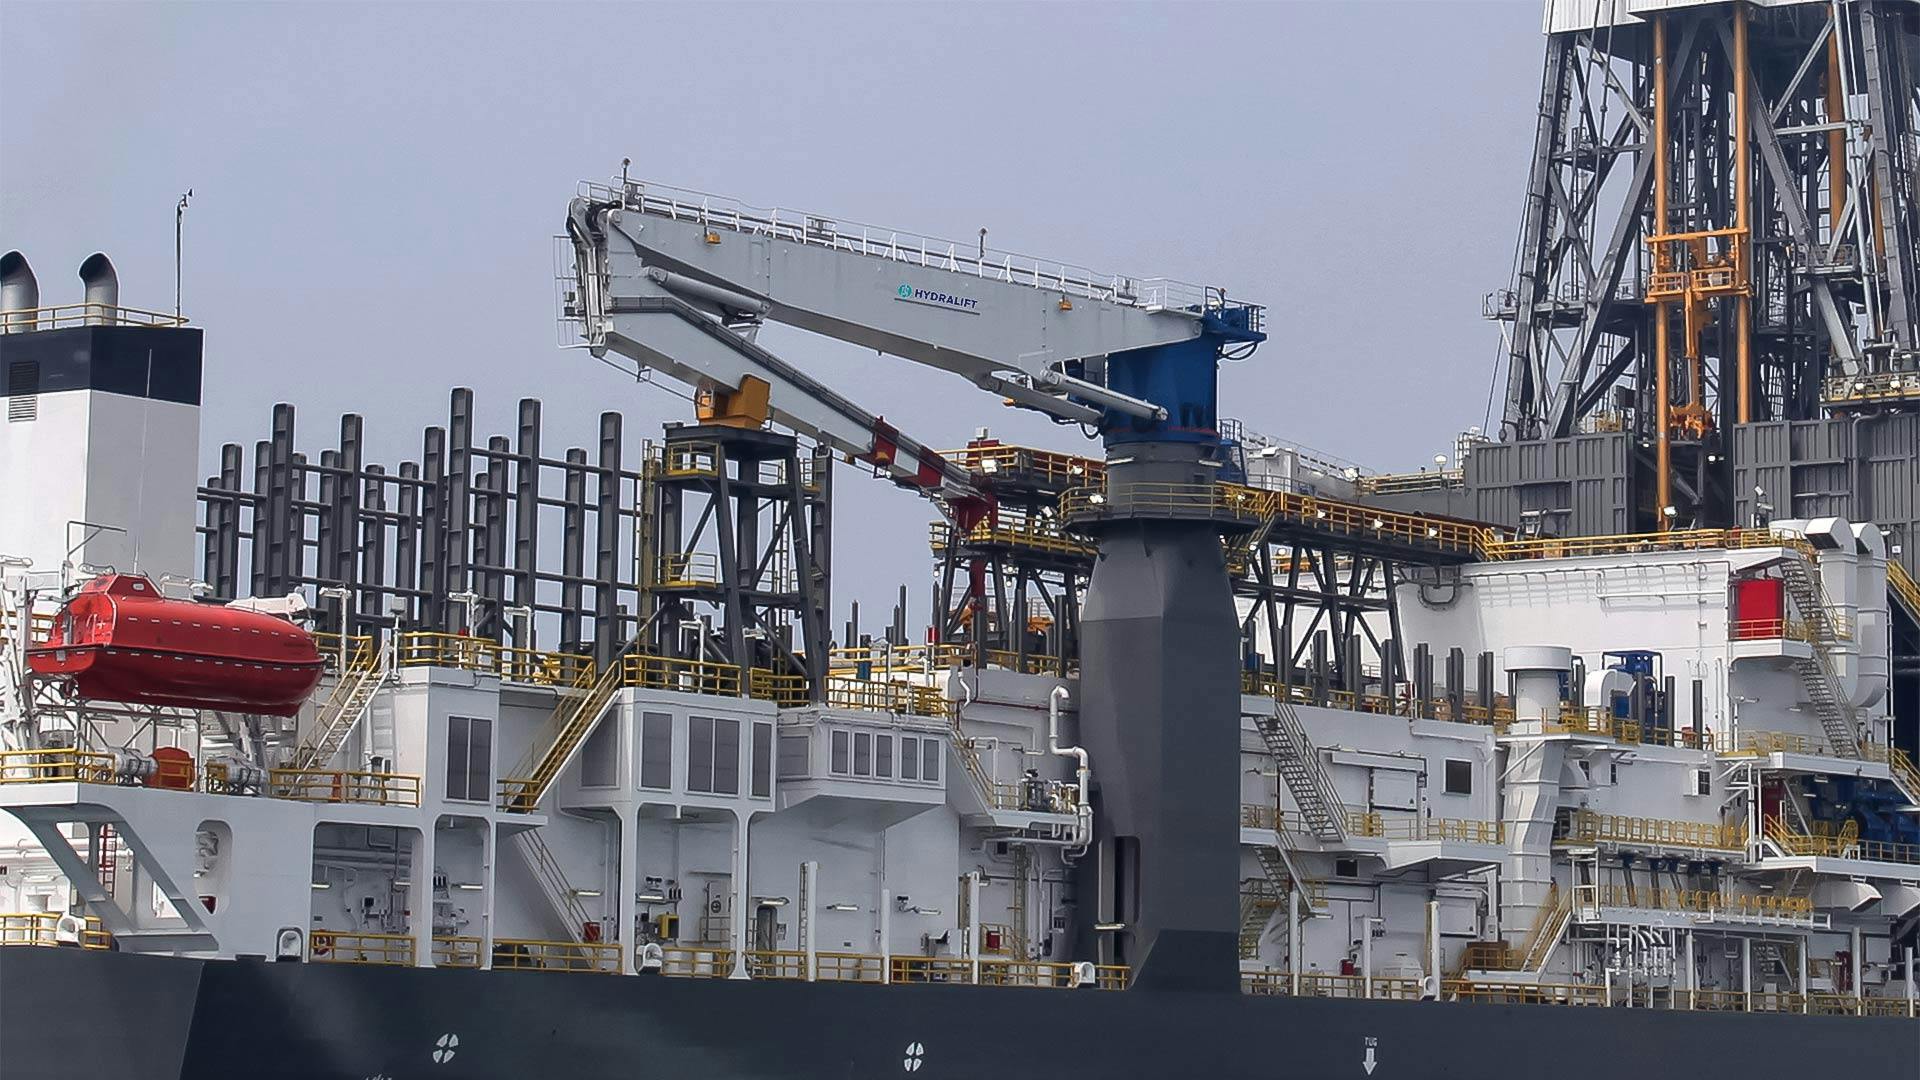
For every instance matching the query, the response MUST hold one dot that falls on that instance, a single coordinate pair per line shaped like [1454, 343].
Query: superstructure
[1201, 735]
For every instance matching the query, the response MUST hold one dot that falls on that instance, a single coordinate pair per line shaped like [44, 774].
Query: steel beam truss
[1720, 218]
[734, 550]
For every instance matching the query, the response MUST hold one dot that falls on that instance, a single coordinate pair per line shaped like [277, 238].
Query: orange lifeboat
[119, 640]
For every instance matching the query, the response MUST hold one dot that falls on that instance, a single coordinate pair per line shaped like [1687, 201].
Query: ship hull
[72, 1013]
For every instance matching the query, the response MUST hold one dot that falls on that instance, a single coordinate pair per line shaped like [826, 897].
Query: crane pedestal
[1159, 714]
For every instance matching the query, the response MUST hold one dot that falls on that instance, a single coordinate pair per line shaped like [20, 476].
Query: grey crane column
[1159, 714]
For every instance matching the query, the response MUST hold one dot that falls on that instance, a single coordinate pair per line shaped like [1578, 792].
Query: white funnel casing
[103, 289]
[1873, 627]
[19, 292]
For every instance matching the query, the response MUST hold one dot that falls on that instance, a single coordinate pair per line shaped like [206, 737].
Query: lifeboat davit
[120, 640]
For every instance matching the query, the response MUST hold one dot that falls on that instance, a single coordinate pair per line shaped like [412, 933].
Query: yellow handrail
[1588, 826]
[349, 947]
[1373, 824]
[534, 954]
[1653, 898]
[456, 951]
[336, 786]
[56, 765]
[43, 928]
[90, 313]
[1903, 585]
[1846, 845]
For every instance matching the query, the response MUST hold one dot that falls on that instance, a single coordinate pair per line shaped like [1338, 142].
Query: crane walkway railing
[971, 259]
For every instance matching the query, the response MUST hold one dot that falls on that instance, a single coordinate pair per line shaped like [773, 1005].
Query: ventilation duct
[103, 289]
[19, 294]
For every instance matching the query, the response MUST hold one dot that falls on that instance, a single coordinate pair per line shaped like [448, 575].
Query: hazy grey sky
[376, 185]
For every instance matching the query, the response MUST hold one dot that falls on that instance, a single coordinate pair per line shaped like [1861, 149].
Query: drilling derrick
[1719, 230]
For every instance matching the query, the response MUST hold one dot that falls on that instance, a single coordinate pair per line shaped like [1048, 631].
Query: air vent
[23, 391]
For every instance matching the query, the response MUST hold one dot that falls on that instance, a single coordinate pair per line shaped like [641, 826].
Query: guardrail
[529, 954]
[1699, 901]
[843, 692]
[66, 316]
[334, 786]
[347, 947]
[532, 667]
[1279, 983]
[55, 766]
[1371, 823]
[1588, 826]
[43, 928]
[456, 951]
[895, 245]
[39, 627]
[1847, 844]
[697, 961]
[1903, 586]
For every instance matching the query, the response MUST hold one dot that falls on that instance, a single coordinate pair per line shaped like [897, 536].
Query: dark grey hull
[67, 1013]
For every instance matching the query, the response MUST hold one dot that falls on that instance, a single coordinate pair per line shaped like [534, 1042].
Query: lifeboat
[119, 640]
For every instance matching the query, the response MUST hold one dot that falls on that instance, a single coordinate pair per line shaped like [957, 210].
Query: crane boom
[1043, 335]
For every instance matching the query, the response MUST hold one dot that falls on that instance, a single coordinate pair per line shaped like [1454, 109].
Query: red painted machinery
[120, 640]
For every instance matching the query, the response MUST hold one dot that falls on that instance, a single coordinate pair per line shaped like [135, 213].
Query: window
[863, 754]
[656, 751]
[930, 760]
[842, 763]
[909, 758]
[713, 755]
[762, 760]
[469, 758]
[1702, 782]
[883, 756]
[796, 756]
[1459, 777]
[599, 760]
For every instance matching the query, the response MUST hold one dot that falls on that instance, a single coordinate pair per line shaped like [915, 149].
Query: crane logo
[444, 1048]
[913, 294]
[916, 1056]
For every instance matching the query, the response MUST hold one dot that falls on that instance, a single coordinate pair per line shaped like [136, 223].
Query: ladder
[1298, 762]
[1017, 908]
[559, 892]
[341, 713]
[574, 718]
[107, 861]
[1837, 716]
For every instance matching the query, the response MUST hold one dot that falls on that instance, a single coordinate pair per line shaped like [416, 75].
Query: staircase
[553, 882]
[1298, 761]
[1280, 871]
[1837, 716]
[1904, 589]
[107, 861]
[574, 718]
[341, 713]
[1259, 899]
[1548, 925]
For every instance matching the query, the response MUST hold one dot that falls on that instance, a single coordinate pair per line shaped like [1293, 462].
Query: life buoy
[322, 946]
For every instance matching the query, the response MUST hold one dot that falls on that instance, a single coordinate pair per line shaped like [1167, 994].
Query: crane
[680, 282]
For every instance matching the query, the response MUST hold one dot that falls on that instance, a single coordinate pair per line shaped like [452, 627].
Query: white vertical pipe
[973, 925]
[886, 929]
[1296, 940]
[809, 914]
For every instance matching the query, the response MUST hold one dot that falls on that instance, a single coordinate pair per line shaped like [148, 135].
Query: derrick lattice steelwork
[1719, 229]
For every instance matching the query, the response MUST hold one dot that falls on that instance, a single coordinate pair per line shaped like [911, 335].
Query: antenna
[179, 216]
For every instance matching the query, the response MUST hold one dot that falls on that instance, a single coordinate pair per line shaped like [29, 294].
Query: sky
[376, 187]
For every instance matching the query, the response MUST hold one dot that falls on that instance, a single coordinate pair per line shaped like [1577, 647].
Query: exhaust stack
[103, 289]
[19, 294]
